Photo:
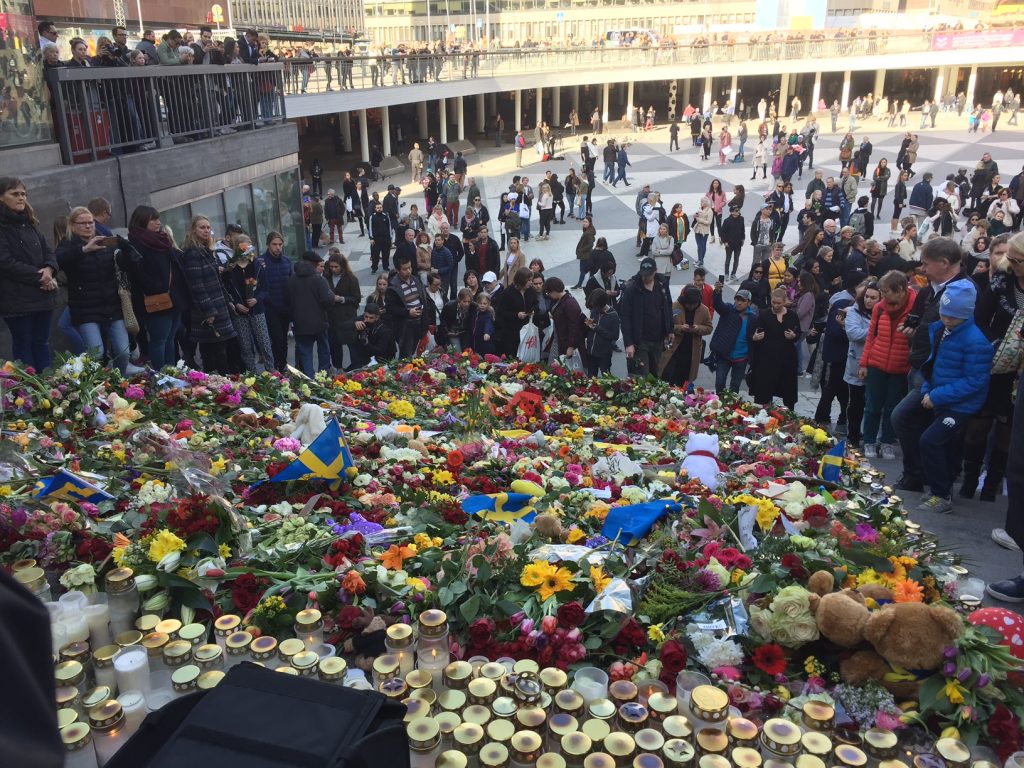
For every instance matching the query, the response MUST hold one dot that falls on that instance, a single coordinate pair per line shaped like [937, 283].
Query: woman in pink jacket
[716, 197]
[724, 143]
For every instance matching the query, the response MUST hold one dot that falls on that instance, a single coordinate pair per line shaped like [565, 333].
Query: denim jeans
[581, 206]
[882, 394]
[524, 228]
[734, 372]
[933, 437]
[304, 353]
[609, 172]
[162, 328]
[117, 341]
[74, 338]
[702, 247]
[30, 338]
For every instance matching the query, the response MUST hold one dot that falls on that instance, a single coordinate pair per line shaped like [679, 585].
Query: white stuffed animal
[307, 425]
[701, 460]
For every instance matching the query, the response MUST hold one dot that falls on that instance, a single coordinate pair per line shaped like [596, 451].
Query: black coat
[341, 315]
[92, 282]
[378, 341]
[208, 298]
[23, 252]
[310, 299]
[155, 271]
[507, 325]
[234, 280]
[452, 324]
[631, 309]
[773, 360]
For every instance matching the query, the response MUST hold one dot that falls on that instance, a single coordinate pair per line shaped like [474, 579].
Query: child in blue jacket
[955, 387]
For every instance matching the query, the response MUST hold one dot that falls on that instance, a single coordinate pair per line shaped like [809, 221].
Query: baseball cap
[648, 265]
[744, 294]
[489, 277]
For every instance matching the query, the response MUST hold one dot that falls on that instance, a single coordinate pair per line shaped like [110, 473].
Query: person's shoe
[936, 504]
[1004, 540]
[1009, 591]
[577, 288]
[988, 493]
[134, 370]
[968, 487]
[871, 451]
[911, 484]
[841, 430]
[888, 452]
[712, 238]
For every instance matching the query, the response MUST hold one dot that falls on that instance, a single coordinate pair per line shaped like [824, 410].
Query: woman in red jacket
[885, 363]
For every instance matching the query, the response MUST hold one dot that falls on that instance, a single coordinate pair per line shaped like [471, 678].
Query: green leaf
[444, 596]
[173, 580]
[193, 598]
[459, 588]
[507, 607]
[592, 643]
[470, 608]
[483, 572]
[763, 584]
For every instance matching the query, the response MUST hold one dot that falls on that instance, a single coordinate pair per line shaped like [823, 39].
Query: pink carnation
[287, 445]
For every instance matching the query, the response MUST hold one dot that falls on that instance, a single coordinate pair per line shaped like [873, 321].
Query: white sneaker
[134, 370]
[1004, 540]
[888, 452]
[871, 451]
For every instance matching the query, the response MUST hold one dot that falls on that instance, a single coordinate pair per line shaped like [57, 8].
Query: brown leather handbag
[160, 302]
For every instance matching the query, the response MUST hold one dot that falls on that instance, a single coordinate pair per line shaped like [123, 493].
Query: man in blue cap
[956, 378]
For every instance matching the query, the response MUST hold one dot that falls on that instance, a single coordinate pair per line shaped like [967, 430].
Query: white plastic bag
[529, 344]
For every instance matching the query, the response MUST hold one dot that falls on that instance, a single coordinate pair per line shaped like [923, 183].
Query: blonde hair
[192, 238]
[77, 211]
[1016, 247]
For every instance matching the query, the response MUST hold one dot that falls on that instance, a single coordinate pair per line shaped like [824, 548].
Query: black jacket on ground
[310, 297]
[92, 282]
[23, 252]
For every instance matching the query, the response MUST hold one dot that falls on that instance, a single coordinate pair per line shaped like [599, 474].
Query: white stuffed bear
[701, 460]
[307, 425]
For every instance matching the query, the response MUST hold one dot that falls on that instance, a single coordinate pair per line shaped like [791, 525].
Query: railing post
[87, 117]
[207, 107]
[63, 137]
[153, 106]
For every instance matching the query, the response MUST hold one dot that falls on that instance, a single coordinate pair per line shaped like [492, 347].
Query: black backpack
[256, 718]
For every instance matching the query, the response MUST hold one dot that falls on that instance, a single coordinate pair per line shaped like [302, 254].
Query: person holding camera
[88, 260]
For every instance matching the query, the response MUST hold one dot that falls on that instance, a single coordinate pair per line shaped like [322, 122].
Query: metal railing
[103, 111]
[319, 75]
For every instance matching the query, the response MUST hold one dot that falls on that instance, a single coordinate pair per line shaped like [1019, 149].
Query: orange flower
[908, 591]
[395, 556]
[455, 459]
[353, 583]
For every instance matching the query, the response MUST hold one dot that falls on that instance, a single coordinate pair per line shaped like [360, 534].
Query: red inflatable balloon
[1007, 623]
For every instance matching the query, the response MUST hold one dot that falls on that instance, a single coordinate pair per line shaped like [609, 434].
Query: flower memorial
[546, 514]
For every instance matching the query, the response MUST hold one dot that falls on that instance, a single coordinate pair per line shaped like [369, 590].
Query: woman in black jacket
[157, 276]
[758, 285]
[244, 283]
[88, 260]
[28, 288]
[209, 314]
[512, 310]
[342, 315]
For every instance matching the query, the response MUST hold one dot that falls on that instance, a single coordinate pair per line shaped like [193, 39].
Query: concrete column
[346, 131]
[604, 108]
[686, 96]
[844, 100]
[576, 101]
[940, 83]
[364, 137]
[629, 99]
[556, 107]
[460, 118]
[972, 82]
[442, 108]
[481, 114]
[492, 108]
[519, 110]
[708, 85]
[385, 127]
[816, 92]
[539, 96]
[733, 87]
[951, 79]
[783, 105]
[879, 83]
[421, 118]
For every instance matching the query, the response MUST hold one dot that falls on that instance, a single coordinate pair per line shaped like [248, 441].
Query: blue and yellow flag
[503, 507]
[831, 466]
[68, 486]
[632, 522]
[327, 458]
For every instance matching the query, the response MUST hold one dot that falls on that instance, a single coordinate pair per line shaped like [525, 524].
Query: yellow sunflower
[599, 578]
[536, 573]
[559, 580]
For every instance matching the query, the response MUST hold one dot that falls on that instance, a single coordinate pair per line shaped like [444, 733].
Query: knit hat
[958, 300]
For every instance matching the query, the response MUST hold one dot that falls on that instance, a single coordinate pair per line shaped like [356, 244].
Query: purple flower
[708, 581]
[964, 676]
[359, 524]
[866, 533]
[951, 652]
[983, 680]
[596, 541]
[398, 607]
[526, 627]
[949, 669]
[517, 618]
[19, 517]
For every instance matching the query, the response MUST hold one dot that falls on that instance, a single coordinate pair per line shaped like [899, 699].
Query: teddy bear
[905, 639]
[701, 460]
[307, 423]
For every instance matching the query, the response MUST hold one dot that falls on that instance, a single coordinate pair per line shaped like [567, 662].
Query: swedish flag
[503, 507]
[632, 522]
[328, 458]
[831, 466]
[68, 486]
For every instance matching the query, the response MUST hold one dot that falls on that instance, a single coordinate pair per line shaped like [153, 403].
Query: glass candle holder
[79, 751]
[309, 628]
[686, 681]
[424, 742]
[123, 599]
[131, 669]
[133, 704]
[433, 660]
[97, 616]
[433, 635]
[224, 626]
[400, 643]
[108, 729]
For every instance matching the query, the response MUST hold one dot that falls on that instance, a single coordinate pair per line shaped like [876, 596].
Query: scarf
[156, 241]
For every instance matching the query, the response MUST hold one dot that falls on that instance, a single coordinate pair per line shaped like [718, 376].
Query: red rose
[481, 632]
[673, 657]
[347, 615]
[1005, 731]
[571, 615]
[770, 659]
[246, 592]
[816, 516]
[795, 565]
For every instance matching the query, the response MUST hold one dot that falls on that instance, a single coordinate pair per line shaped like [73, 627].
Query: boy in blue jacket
[956, 378]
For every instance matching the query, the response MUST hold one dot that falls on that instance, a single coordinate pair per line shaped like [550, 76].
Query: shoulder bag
[1010, 353]
[124, 294]
[161, 302]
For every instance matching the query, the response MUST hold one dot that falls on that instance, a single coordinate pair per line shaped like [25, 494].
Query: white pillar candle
[131, 666]
[76, 626]
[98, 618]
[133, 704]
[434, 662]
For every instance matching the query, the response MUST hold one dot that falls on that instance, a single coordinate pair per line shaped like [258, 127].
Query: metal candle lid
[661, 705]
[531, 718]
[712, 742]
[745, 757]
[457, 674]
[177, 652]
[881, 743]
[393, 688]
[309, 620]
[713, 761]
[452, 700]
[305, 661]
[433, 623]
[551, 760]
[504, 706]
[333, 669]
[238, 643]
[632, 716]
[95, 697]
[953, 751]
[75, 652]
[526, 746]
[500, 731]
[570, 702]
[553, 679]
[169, 627]
[562, 723]
[194, 633]
[209, 654]
[288, 648]
[415, 709]
[263, 647]
[742, 732]
[418, 678]
[819, 716]
[399, 635]
[601, 709]
[599, 760]
[597, 730]
[809, 761]
[424, 734]
[448, 722]
[709, 703]
[649, 740]
[816, 743]
[210, 679]
[106, 716]
[492, 670]
[850, 756]
[469, 737]
[678, 752]
[476, 713]
[75, 736]
[451, 758]
[154, 644]
[482, 690]
[386, 665]
[576, 745]
[647, 760]
[65, 696]
[226, 624]
[493, 755]
[620, 745]
[186, 678]
[676, 727]
[128, 637]
[103, 657]
[781, 736]
[69, 673]
[622, 691]
[120, 580]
